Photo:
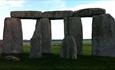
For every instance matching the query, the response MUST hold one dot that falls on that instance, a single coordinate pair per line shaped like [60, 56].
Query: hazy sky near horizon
[50, 5]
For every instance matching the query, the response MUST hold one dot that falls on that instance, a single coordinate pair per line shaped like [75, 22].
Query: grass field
[85, 62]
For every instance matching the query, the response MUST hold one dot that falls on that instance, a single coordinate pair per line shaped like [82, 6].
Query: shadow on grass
[55, 62]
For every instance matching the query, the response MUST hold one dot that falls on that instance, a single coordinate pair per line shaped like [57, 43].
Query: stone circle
[103, 32]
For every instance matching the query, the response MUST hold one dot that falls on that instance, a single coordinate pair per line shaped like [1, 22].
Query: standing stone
[46, 35]
[41, 40]
[73, 26]
[36, 41]
[1, 46]
[69, 48]
[103, 35]
[12, 36]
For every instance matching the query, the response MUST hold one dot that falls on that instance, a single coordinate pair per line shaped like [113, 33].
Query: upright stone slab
[1, 46]
[69, 48]
[12, 36]
[73, 26]
[103, 35]
[36, 41]
[46, 35]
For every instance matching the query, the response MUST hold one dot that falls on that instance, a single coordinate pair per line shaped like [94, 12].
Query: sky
[51, 5]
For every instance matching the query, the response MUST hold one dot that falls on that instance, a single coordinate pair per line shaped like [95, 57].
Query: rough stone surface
[46, 35]
[57, 14]
[89, 12]
[26, 14]
[12, 58]
[1, 46]
[36, 42]
[69, 48]
[103, 35]
[41, 40]
[12, 36]
[39, 14]
[73, 26]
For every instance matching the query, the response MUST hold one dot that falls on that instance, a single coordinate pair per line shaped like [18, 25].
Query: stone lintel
[39, 14]
[26, 14]
[89, 12]
[57, 14]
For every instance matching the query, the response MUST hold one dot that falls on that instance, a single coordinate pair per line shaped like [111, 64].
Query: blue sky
[50, 5]
[44, 4]
[67, 3]
[53, 4]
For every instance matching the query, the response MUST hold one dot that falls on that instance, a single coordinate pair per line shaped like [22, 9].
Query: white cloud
[58, 3]
[87, 27]
[52, 5]
[12, 3]
[108, 5]
[7, 5]
[16, 3]
[28, 27]
[57, 27]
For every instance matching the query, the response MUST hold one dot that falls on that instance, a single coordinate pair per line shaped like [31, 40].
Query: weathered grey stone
[69, 48]
[46, 35]
[41, 40]
[57, 14]
[36, 41]
[1, 46]
[73, 26]
[103, 35]
[26, 14]
[39, 14]
[12, 58]
[89, 12]
[12, 36]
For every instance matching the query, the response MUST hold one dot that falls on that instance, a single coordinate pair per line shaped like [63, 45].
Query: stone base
[69, 48]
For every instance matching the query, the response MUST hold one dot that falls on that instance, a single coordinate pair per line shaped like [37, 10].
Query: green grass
[26, 48]
[56, 50]
[87, 46]
[86, 62]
